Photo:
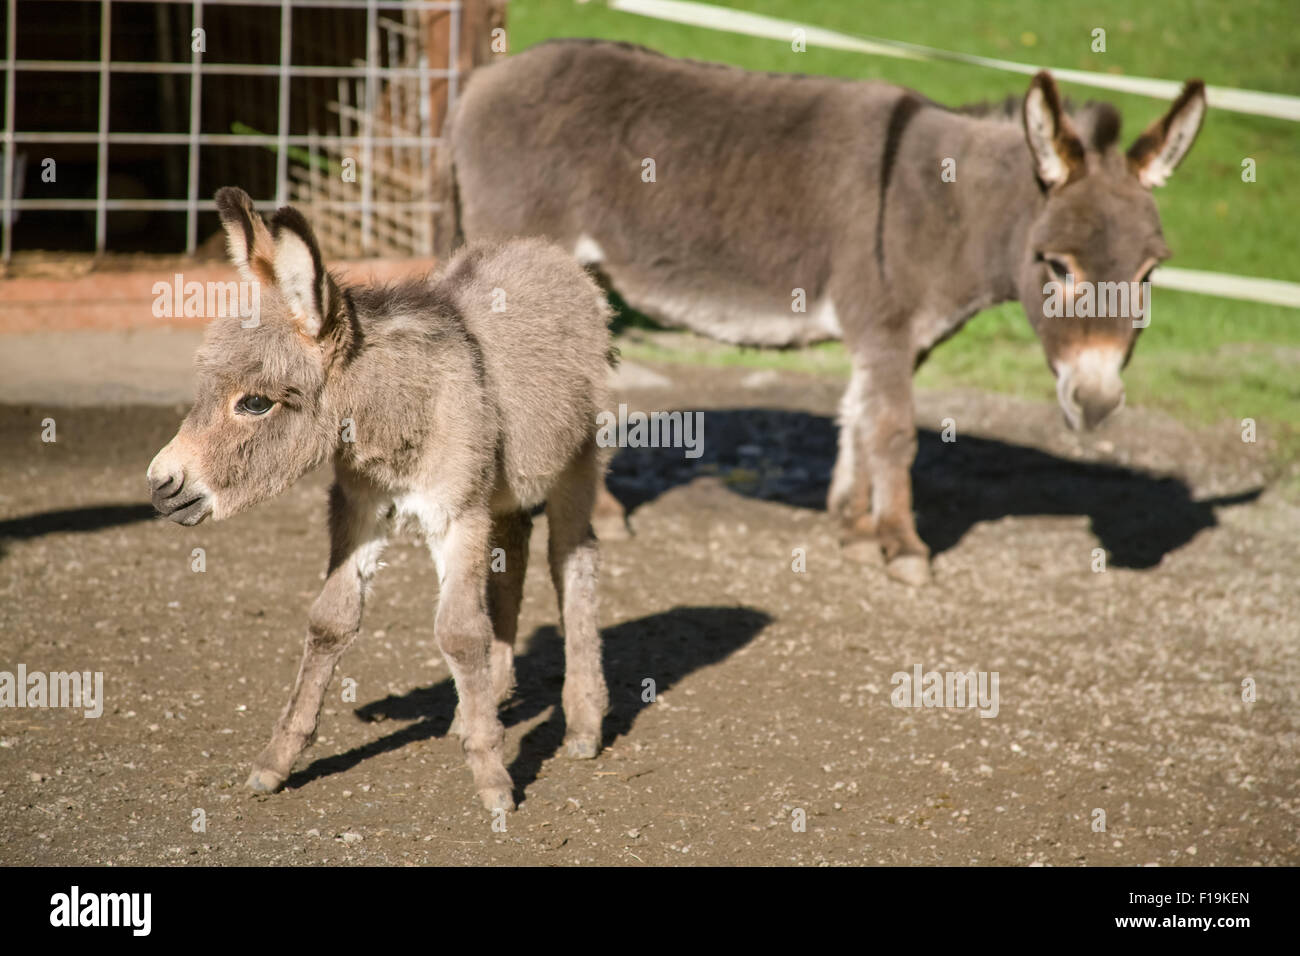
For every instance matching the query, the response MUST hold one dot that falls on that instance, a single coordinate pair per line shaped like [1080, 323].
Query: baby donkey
[462, 401]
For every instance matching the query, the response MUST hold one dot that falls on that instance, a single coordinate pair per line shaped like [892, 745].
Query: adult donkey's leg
[609, 517]
[849, 500]
[880, 417]
[890, 450]
[357, 537]
[575, 567]
[463, 629]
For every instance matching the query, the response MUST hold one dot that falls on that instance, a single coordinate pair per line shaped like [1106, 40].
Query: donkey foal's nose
[165, 484]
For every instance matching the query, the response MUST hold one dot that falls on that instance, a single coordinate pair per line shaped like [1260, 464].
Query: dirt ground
[1119, 691]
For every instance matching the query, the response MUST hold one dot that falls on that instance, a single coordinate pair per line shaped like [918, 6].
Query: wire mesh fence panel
[123, 117]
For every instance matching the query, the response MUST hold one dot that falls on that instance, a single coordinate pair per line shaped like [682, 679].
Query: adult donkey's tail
[447, 236]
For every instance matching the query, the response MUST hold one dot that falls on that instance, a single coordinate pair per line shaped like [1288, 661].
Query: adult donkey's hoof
[580, 747]
[265, 781]
[913, 569]
[862, 551]
[610, 527]
[497, 798]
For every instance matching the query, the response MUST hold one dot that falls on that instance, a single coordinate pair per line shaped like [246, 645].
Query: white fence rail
[1276, 105]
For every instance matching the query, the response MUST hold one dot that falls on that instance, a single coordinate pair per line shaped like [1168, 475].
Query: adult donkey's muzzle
[1089, 387]
[185, 501]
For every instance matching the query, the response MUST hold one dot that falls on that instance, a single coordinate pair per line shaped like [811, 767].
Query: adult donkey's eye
[254, 405]
[1060, 268]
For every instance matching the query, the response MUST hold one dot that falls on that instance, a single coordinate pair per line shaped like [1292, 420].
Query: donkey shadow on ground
[94, 518]
[786, 456]
[664, 647]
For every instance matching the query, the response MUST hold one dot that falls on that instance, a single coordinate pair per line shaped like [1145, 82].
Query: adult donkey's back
[769, 209]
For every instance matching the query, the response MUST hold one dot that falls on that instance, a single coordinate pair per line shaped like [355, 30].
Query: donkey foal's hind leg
[505, 593]
[463, 630]
[575, 566]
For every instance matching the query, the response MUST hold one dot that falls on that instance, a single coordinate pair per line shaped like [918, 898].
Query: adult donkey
[721, 200]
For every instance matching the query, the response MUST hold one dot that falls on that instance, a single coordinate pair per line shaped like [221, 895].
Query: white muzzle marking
[1089, 386]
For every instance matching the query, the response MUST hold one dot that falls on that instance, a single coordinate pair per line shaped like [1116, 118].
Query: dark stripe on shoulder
[487, 391]
[456, 320]
[905, 108]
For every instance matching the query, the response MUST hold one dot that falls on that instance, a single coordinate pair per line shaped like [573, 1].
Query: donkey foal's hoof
[581, 747]
[265, 781]
[497, 798]
[911, 569]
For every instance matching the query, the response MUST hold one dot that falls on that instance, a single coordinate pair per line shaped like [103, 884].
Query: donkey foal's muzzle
[183, 502]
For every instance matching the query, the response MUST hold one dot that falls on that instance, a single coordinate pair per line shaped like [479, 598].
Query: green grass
[1204, 359]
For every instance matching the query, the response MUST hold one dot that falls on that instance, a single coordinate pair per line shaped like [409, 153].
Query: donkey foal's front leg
[357, 538]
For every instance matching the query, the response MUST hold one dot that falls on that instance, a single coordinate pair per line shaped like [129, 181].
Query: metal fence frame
[196, 68]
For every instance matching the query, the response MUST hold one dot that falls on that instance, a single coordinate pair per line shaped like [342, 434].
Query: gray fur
[433, 405]
[767, 184]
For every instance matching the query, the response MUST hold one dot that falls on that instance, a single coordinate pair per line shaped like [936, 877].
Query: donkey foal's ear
[299, 271]
[248, 241]
[1157, 152]
[1053, 141]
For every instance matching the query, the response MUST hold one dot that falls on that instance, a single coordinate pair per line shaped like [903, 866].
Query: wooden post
[478, 18]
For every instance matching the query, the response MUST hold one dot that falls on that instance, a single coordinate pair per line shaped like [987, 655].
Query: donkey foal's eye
[254, 405]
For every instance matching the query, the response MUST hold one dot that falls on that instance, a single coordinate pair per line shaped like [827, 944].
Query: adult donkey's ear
[299, 272]
[1157, 152]
[247, 239]
[1053, 141]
